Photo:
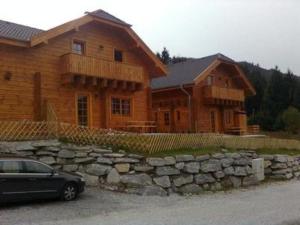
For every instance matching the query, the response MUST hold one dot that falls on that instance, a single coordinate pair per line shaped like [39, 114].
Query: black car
[28, 179]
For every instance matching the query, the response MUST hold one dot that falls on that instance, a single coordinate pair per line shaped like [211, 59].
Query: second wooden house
[202, 95]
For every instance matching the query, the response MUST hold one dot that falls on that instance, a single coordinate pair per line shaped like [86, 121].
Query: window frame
[83, 43]
[121, 106]
[210, 80]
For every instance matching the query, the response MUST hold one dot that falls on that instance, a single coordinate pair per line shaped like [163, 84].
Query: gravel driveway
[277, 203]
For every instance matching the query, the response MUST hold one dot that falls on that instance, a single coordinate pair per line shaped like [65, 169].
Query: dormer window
[78, 47]
[118, 56]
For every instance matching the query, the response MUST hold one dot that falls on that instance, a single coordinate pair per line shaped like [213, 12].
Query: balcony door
[83, 109]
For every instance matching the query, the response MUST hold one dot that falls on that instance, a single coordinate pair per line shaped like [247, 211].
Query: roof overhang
[156, 90]
[13, 42]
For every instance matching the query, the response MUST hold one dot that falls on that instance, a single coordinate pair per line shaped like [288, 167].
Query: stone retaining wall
[134, 173]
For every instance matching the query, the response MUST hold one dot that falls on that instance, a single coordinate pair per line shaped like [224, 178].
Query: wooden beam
[124, 85]
[103, 83]
[95, 81]
[80, 80]
[132, 86]
[114, 84]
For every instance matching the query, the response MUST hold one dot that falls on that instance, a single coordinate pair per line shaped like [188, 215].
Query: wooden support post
[37, 96]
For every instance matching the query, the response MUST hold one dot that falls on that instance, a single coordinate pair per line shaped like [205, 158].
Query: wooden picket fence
[150, 143]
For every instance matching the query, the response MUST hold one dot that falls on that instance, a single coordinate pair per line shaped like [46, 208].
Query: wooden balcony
[99, 68]
[223, 96]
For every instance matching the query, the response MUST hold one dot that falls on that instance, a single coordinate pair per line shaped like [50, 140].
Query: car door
[44, 181]
[14, 186]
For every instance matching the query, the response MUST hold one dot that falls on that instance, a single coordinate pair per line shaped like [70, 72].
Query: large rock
[163, 181]
[179, 165]
[212, 165]
[279, 166]
[143, 168]
[183, 179]
[136, 179]
[184, 158]
[48, 160]
[156, 161]
[66, 154]
[169, 160]
[122, 167]
[44, 153]
[70, 167]
[236, 181]
[81, 154]
[192, 167]
[103, 160]
[241, 162]
[97, 169]
[267, 157]
[114, 155]
[281, 158]
[190, 189]
[282, 171]
[229, 170]
[135, 156]
[218, 155]
[166, 171]
[148, 191]
[52, 148]
[233, 155]
[201, 158]
[204, 178]
[219, 174]
[240, 171]
[84, 160]
[24, 146]
[227, 162]
[46, 143]
[113, 177]
[126, 160]
[90, 180]
[101, 150]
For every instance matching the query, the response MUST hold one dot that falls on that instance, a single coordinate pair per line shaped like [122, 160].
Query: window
[34, 167]
[10, 166]
[121, 106]
[227, 84]
[118, 55]
[78, 47]
[210, 80]
[82, 110]
[167, 118]
[178, 115]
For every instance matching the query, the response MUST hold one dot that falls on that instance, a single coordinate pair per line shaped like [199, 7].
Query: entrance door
[213, 121]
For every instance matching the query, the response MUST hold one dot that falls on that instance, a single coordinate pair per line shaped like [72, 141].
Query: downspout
[189, 107]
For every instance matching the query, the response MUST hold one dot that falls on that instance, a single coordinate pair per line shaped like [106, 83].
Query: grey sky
[261, 31]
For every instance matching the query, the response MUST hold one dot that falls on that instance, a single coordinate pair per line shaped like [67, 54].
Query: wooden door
[164, 121]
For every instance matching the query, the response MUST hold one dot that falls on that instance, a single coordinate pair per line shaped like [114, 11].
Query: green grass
[212, 150]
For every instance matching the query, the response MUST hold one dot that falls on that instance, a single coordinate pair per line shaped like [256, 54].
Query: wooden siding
[17, 98]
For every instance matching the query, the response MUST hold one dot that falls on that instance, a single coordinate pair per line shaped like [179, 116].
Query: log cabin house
[202, 95]
[95, 71]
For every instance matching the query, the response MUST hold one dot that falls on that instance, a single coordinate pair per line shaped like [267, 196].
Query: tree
[291, 120]
[164, 56]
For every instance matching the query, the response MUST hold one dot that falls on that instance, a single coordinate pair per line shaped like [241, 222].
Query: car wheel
[69, 192]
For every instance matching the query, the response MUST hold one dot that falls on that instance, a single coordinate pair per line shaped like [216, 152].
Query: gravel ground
[268, 204]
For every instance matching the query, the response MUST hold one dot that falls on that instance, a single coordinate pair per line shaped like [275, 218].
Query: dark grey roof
[185, 72]
[105, 15]
[16, 31]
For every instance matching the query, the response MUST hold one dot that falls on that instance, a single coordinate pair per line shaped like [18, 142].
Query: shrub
[291, 120]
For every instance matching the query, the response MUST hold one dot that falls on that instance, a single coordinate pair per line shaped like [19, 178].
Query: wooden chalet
[95, 71]
[202, 95]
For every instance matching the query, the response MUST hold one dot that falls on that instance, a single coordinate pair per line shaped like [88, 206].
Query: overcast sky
[260, 31]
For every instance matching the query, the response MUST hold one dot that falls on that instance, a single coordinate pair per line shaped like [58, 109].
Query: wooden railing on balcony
[214, 92]
[89, 66]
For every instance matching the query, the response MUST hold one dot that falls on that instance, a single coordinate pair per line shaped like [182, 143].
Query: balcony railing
[214, 92]
[89, 66]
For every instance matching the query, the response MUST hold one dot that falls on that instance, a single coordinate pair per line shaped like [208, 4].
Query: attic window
[118, 55]
[78, 47]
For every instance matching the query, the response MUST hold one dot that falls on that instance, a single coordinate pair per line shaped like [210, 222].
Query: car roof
[13, 157]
